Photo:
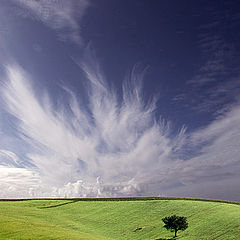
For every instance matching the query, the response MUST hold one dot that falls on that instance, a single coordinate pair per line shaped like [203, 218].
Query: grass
[75, 219]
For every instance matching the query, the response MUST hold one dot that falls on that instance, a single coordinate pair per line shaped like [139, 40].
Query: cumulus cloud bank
[114, 146]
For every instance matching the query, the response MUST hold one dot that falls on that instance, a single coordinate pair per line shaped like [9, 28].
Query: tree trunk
[175, 233]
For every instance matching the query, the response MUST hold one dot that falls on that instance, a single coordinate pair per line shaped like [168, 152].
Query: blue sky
[119, 98]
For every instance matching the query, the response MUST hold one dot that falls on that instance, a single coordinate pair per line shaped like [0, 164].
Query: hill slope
[71, 219]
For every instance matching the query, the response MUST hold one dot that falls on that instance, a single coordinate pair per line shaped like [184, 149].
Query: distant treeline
[125, 199]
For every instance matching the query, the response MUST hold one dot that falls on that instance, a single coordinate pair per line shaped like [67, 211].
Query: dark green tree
[175, 223]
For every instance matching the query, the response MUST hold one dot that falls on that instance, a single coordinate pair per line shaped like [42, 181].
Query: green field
[73, 219]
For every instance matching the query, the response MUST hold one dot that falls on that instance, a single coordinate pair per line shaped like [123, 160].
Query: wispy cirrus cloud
[214, 88]
[62, 16]
[112, 139]
[114, 146]
[8, 158]
[214, 171]
[217, 81]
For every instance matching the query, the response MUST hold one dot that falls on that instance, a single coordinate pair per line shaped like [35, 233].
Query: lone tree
[175, 223]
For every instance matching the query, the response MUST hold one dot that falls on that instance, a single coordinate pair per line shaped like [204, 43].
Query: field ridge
[124, 199]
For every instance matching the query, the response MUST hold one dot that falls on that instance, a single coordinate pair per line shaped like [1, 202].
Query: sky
[119, 98]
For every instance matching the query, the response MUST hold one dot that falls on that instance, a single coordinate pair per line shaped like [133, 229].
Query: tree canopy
[175, 223]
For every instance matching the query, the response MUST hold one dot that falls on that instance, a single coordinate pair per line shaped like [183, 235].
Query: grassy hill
[73, 219]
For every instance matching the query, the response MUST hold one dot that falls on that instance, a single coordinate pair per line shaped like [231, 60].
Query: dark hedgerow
[126, 199]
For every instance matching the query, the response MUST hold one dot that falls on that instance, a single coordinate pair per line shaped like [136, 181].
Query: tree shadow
[58, 205]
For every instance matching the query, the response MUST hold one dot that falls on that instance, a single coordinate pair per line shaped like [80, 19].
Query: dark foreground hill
[112, 219]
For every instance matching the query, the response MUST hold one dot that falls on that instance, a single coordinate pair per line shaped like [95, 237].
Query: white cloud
[61, 16]
[17, 182]
[119, 141]
[214, 170]
[221, 139]
[8, 158]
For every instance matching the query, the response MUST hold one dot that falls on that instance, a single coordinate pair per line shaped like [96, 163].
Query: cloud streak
[61, 16]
